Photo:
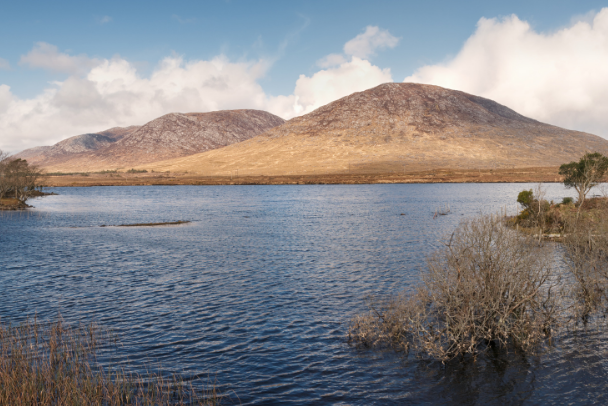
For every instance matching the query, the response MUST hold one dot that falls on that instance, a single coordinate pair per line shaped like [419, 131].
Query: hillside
[70, 147]
[170, 136]
[396, 127]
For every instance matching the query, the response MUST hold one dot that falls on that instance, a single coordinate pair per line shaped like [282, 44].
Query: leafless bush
[586, 247]
[490, 286]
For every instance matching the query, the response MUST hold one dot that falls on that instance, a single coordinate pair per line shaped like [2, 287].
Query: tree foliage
[584, 174]
[18, 179]
[525, 198]
[535, 207]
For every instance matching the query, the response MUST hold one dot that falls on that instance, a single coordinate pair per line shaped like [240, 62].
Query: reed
[55, 364]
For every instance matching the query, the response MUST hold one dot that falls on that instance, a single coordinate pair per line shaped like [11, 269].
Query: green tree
[584, 174]
[535, 207]
[525, 198]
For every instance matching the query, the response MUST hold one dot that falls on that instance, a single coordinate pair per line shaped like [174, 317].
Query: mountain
[170, 136]
[68, 148]
[397, 127]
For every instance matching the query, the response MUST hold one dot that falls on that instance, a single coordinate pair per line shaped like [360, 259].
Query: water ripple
[257, 291]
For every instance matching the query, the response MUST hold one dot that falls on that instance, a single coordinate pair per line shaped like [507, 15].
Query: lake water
[256, 293]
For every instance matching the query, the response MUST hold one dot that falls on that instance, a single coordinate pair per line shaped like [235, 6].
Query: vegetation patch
[18, 182]
[494, 287]
[55, 364]
[12, 204]
[168, 223]
[488, 287]
[67, 174]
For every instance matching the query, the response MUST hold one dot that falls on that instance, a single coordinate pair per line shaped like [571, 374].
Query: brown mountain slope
[70, 147]
[397, 127]
[170, 136]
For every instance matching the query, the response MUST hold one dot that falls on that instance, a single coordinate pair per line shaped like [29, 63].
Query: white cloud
[113, 94]
[4, 65]
[5, 98]
[47, 56]
[331, 60]
[100, 94]
[558, 77]
[105, 19]
[364, 45]
[328, 85]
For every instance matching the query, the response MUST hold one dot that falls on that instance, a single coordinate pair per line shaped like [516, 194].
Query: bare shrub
[490, 286]
[586, 248]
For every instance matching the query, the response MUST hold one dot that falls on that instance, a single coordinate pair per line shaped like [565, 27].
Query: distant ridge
[66, 149]
[398, 127]
[170, 136]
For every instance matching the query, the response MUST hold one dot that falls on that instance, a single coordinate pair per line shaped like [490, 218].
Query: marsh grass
[55, 364]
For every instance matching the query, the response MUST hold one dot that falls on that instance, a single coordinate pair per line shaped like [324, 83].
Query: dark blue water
[256, 293]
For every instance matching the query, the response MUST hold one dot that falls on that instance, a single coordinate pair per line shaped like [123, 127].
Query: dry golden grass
[11, 204]
[56, 365]
[358, 175]
[328, 153]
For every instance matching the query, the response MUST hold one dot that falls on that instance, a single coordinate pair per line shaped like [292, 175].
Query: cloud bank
[558, 77]
[102, 93]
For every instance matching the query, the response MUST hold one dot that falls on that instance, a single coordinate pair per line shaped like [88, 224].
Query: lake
[257, 291]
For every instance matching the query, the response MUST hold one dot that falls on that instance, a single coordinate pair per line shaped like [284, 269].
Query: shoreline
[512, 175]
[12, 204]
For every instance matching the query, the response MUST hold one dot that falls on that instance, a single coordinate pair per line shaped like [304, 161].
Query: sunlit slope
[395, 127]
[168, 137]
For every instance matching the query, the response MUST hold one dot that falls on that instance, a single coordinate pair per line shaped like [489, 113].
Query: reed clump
[586, 251]
[54, 364]
[489, 287]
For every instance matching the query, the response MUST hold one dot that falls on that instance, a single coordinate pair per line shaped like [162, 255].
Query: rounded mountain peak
[424, 108]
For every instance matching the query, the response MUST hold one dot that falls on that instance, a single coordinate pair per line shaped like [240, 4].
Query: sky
[72, 67]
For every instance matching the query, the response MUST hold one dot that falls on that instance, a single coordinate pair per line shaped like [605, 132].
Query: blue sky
[271, 43]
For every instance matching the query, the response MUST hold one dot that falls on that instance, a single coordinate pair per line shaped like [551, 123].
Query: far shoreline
[510, 175]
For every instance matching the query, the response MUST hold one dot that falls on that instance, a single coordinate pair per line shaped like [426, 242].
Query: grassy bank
[12, 204]
[444, 175]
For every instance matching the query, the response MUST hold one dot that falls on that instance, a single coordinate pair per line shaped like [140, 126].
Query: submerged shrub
[586, 251]
[488, 287]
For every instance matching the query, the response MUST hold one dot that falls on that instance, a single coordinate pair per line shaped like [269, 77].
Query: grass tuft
[54, 364]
